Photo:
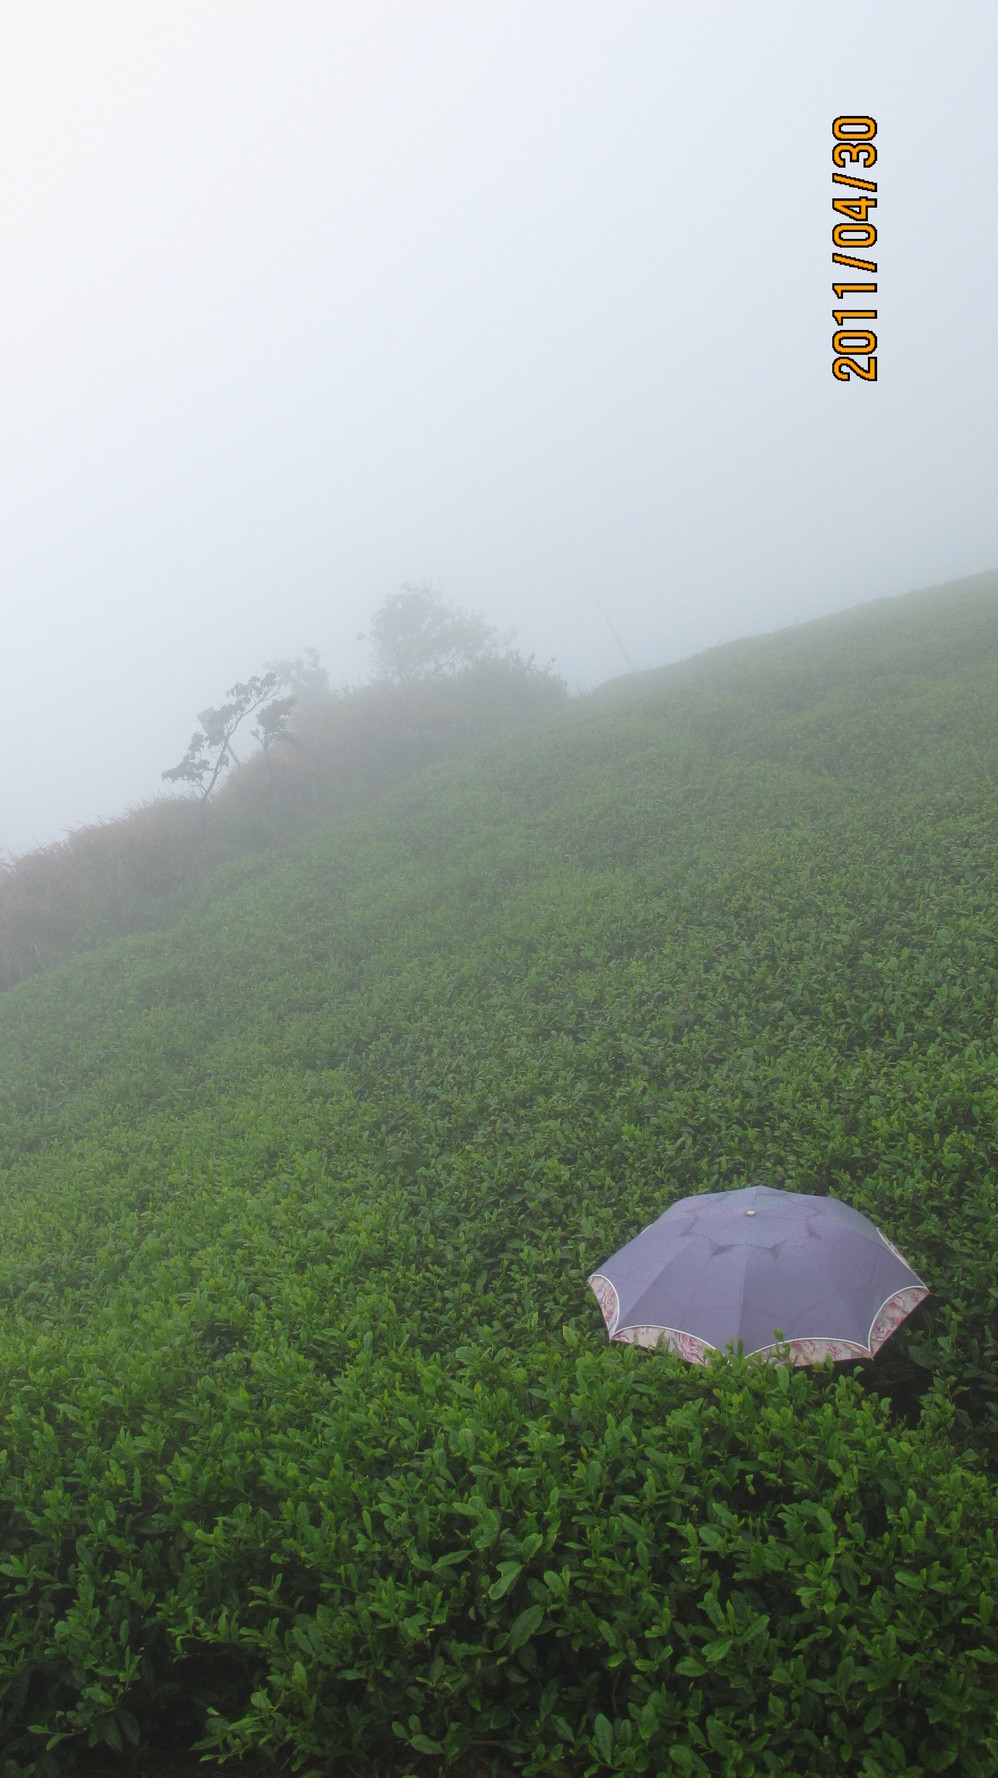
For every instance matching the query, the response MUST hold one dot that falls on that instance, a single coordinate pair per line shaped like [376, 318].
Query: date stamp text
[853, 233]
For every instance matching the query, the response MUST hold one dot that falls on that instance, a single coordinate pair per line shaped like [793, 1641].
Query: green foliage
[348, 749]
[312, 1442]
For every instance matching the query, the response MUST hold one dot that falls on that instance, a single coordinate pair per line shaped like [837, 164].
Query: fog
[301, 301]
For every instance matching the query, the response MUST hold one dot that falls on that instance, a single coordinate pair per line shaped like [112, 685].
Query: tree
[415, 635]
[307, 683]
[211, 752]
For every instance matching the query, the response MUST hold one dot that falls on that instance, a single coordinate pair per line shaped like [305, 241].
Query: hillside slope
[313, 1438]
[140, 871]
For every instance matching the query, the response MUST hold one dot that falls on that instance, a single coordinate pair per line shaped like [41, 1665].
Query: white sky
[302, 300]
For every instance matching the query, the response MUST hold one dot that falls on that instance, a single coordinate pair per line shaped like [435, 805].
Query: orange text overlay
[854, 234]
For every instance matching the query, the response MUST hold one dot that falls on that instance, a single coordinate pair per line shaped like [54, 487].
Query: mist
[305, 301]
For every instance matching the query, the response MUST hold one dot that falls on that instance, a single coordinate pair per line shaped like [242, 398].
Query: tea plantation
[313, 1444]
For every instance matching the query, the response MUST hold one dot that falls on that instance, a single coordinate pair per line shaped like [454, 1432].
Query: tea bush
[312, 1442]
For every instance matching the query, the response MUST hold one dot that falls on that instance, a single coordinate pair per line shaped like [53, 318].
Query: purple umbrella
[752, 1265]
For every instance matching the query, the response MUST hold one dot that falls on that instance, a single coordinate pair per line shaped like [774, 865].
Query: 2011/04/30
[854, 143]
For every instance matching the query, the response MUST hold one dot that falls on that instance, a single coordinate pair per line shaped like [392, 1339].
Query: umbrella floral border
[889, 1316]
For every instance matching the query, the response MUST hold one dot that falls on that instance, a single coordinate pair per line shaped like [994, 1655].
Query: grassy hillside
[141, 870]
[313, 1440]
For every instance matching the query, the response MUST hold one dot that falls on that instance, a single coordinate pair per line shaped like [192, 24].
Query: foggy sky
[300, 301]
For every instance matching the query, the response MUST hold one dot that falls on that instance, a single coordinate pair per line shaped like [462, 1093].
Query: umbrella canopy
[761, 1266]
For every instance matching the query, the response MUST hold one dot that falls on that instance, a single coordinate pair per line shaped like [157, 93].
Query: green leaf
[423, 1744]
[450, 1559]
[508, 1572]
[684, 1758]
[523, 1627]
[603, 1734]
[717, 1650]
